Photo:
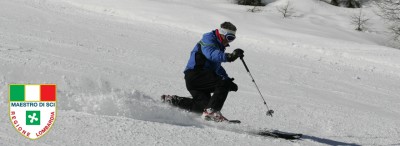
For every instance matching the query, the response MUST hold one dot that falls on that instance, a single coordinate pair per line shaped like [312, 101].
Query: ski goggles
[230, 37]
[229, 34]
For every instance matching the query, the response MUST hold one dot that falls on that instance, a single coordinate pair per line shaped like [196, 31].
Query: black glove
[234, 55]
[232, 85]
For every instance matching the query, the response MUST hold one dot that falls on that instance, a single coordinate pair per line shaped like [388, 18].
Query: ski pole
[269, 112]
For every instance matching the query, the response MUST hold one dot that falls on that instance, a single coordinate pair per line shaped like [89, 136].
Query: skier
[205, 75]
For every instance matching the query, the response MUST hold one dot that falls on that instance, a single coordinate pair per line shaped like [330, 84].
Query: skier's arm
[212, 52]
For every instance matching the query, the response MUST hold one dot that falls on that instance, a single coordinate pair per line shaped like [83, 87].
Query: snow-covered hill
[111, 60]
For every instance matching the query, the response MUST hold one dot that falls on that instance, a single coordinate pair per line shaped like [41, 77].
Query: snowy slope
[111, 60]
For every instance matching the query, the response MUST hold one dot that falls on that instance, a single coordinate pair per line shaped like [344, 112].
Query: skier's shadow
[328, 141]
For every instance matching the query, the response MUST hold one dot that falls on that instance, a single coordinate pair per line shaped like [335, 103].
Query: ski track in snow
[112, 61]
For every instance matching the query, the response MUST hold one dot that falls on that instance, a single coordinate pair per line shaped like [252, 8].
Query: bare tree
[359, 20]
[390, 11]
[254, 9]
[286, 10]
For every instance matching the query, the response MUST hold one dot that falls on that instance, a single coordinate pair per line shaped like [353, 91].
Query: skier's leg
[200, 100]
[220, 93]
[200, 84]
[181, 102]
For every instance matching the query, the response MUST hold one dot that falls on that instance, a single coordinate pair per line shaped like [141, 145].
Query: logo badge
[32, 108]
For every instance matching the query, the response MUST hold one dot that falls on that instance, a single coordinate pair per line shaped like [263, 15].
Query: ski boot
[212, 115]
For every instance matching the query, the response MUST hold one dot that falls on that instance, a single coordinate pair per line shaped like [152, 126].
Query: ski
[234, 121]
[280, 134]
[227, 121]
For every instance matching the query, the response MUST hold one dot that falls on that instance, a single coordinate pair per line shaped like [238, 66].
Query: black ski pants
[200, 84]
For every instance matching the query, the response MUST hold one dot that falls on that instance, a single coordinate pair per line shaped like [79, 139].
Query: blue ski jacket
[214, 52]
